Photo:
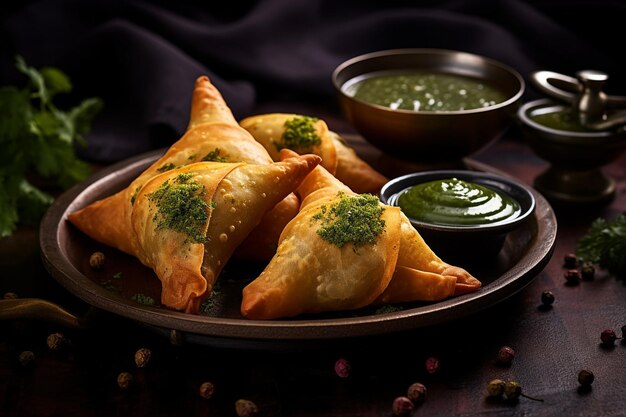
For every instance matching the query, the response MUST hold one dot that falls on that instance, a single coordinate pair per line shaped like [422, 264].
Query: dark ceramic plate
[125, 283]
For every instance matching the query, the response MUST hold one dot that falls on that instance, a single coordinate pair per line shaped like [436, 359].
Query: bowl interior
[465, 64]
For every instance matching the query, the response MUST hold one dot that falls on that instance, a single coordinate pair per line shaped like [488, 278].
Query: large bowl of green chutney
[428, 105]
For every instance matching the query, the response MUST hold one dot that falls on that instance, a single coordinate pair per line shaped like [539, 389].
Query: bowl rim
[435, 51]
[526, 108]
[396, 185]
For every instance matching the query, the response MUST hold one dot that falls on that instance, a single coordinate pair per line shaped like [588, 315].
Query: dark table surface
[551, 346]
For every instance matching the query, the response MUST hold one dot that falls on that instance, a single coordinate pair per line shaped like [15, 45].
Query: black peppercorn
[608, 337]
[570, 261]
[623, 333]
[246, 408]
[55, 341]
[547, 298]
[416, 393]
[572, 276]
[96, 260]
[512, 390]
[402, 406]
[206, 390]
[585, 378]
[26, 358]
[587, 272]
[495, 388]
[505, 355]
[125, 380]
[142, 357]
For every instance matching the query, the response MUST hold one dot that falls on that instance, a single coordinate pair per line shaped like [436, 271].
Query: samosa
[345, 251]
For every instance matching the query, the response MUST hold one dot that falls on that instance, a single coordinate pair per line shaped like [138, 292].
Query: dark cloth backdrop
[142, 57]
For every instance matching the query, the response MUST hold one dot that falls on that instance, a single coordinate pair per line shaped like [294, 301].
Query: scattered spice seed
[96, 260]
[342, 368]
[26, 358]
[432, 365]
[495, 388]
[608, 337]
[9, 296]
[585, 378]
[142, 357]
[246, 408]
[570, 261]
[547, 298]
[505, 355]
[512, 390]
[416, 393]
[572, 276]
[206, 390]
[55, 341]
[402, 406]
[125, 380]
[587, 272]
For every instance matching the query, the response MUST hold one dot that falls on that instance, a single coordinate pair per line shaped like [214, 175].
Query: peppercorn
[402, 406]
[587, 271]
[342, 368]
[206, 390]
[96, 260]
[547, 298]
[572, 276]
[585, 378]
[246, 408]
[623, 333]
[608, 337]
[9, 296]
[570, 261]
[125, 380]
[495, 388]
[416, 393]
[512, 390]
[56, 341]
[26, 358]
[142, 357]
[432, 365]
[505, 355]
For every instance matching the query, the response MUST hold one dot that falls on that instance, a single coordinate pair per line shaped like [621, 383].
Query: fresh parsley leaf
[37, 140]
[605, 245]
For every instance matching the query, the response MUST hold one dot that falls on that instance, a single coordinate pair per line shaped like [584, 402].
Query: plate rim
[63, 271]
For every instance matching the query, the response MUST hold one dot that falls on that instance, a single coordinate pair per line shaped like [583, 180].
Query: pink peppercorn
[342, 368]
[432, 365]
[402, 406]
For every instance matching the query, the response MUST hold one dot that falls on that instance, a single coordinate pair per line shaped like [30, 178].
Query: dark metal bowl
[427, 136]
[460, 243]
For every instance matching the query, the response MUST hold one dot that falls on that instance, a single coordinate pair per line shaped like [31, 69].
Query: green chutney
[455, 202]
[564, 119]
[426, 91]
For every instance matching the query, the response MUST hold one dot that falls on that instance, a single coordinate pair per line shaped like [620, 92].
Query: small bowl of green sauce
[461, 214]
[428, 105]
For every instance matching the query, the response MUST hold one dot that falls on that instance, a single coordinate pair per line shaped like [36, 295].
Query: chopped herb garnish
[605, 245]
[180, 206]
[214, 156]
[210, 302]
[110, 286]
[353, 219]
[118, 275]
[299, 134]
[166, 167]
[143, 299]
[134, 196]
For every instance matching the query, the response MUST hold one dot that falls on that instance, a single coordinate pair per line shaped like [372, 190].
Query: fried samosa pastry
[343, 251]
[297, 132]
[354, 171]
[213, 134]
[301, 134]
[189, 220]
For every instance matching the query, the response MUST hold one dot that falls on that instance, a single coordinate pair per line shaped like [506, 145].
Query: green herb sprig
[605, 245]
[37, 140]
